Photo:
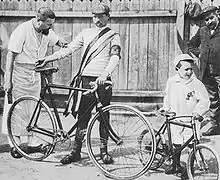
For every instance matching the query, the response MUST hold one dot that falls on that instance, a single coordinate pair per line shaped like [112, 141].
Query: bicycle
[203, 161]
[35, 130]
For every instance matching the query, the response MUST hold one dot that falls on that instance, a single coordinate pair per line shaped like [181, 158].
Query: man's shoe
[106, 158]
[72, 157]
[37, 149]
[212, 131]
[15, 154]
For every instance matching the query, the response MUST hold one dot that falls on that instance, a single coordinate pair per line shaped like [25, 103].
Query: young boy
[184, 95]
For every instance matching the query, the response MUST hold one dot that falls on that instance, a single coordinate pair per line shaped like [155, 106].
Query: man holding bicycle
[101, 54]
[28, 42]
[186, 96]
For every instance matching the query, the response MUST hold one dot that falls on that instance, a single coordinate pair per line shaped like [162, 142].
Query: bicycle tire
[208, 170]
[127, 122]
[33, 142]
[145, 142]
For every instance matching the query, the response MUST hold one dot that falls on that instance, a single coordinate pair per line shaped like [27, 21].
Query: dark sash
[92, 50]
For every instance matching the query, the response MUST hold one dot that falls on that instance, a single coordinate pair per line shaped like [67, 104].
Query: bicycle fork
[107, 126]
[198, 155]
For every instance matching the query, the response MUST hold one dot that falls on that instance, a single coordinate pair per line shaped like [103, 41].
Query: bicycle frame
[96, 103]
[166, 126]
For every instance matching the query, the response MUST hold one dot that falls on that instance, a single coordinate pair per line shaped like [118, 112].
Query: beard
[45, 32]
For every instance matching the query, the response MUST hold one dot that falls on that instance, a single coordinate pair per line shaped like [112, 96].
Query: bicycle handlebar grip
[94, 86]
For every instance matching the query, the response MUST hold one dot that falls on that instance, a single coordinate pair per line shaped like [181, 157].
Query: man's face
[45, 26]
[186, 70]
[211, 20]
[100, 20]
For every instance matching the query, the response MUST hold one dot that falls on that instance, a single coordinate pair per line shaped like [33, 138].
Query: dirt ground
[52, 169]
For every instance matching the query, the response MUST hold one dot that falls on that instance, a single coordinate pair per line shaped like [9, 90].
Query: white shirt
[186, 96]
[99, 63]
[24, 41]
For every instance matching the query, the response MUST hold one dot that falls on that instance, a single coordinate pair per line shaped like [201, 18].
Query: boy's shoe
[174, 170]
[74, 156]
[184, 175]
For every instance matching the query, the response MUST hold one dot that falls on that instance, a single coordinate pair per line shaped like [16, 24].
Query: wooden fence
[149, 31]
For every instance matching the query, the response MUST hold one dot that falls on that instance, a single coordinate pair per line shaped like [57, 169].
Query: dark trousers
[212, 84]
[105, 97]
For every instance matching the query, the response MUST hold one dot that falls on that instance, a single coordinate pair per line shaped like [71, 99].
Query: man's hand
[197, 117]
[40, 63]
[102, 78]
[62, 42]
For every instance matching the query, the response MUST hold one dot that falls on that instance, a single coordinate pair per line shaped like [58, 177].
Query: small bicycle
[203, 161]
[35, 128]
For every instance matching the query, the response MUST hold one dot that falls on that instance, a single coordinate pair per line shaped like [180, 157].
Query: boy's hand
[40, 63]
[161, 110]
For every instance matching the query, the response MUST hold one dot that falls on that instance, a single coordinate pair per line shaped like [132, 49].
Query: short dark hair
[178, 66]
[44, 13]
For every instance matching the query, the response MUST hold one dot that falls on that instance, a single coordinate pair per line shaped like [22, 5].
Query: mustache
[46, 31]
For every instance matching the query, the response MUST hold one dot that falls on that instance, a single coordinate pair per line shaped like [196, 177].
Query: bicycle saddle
[47, 70]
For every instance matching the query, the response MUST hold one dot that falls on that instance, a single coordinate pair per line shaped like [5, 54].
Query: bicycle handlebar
[94, 86]
[173, 114]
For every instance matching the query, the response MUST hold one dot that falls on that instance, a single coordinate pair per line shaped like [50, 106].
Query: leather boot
[105, 156]
[75, 155]
[176, 166]
[15, 154]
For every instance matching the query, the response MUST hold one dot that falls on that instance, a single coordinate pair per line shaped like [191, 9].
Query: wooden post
[180, 24]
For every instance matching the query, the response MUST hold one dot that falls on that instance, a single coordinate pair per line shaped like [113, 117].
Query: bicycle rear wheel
[204, 164]
[127, 123]
[31, 128]
[145, 148]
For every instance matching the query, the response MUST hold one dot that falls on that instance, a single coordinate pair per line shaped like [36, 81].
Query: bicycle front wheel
[127, 123]
[204, 164]
[31, 128]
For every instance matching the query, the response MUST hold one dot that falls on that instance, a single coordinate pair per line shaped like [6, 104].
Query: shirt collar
[178, 79]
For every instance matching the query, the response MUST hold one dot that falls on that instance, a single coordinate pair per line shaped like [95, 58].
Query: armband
[115, 50]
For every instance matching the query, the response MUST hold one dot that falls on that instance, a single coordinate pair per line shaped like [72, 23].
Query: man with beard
[206, 45]
[101, 54]
[28, 42]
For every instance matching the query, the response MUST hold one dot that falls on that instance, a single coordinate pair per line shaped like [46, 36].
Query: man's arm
[4, 37]
[61, 42]
[63, 52]
[203, 100]
[115, 55]
[194, 43]
[9, 70]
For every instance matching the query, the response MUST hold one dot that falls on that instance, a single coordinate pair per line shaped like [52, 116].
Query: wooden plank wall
[147, 29]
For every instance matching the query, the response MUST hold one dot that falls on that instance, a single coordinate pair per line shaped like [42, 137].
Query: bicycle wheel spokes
[31, 128]
[204, 164]
[145, 143]
[127, 123]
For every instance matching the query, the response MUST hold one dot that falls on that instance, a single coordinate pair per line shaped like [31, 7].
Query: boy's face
[186, 70]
